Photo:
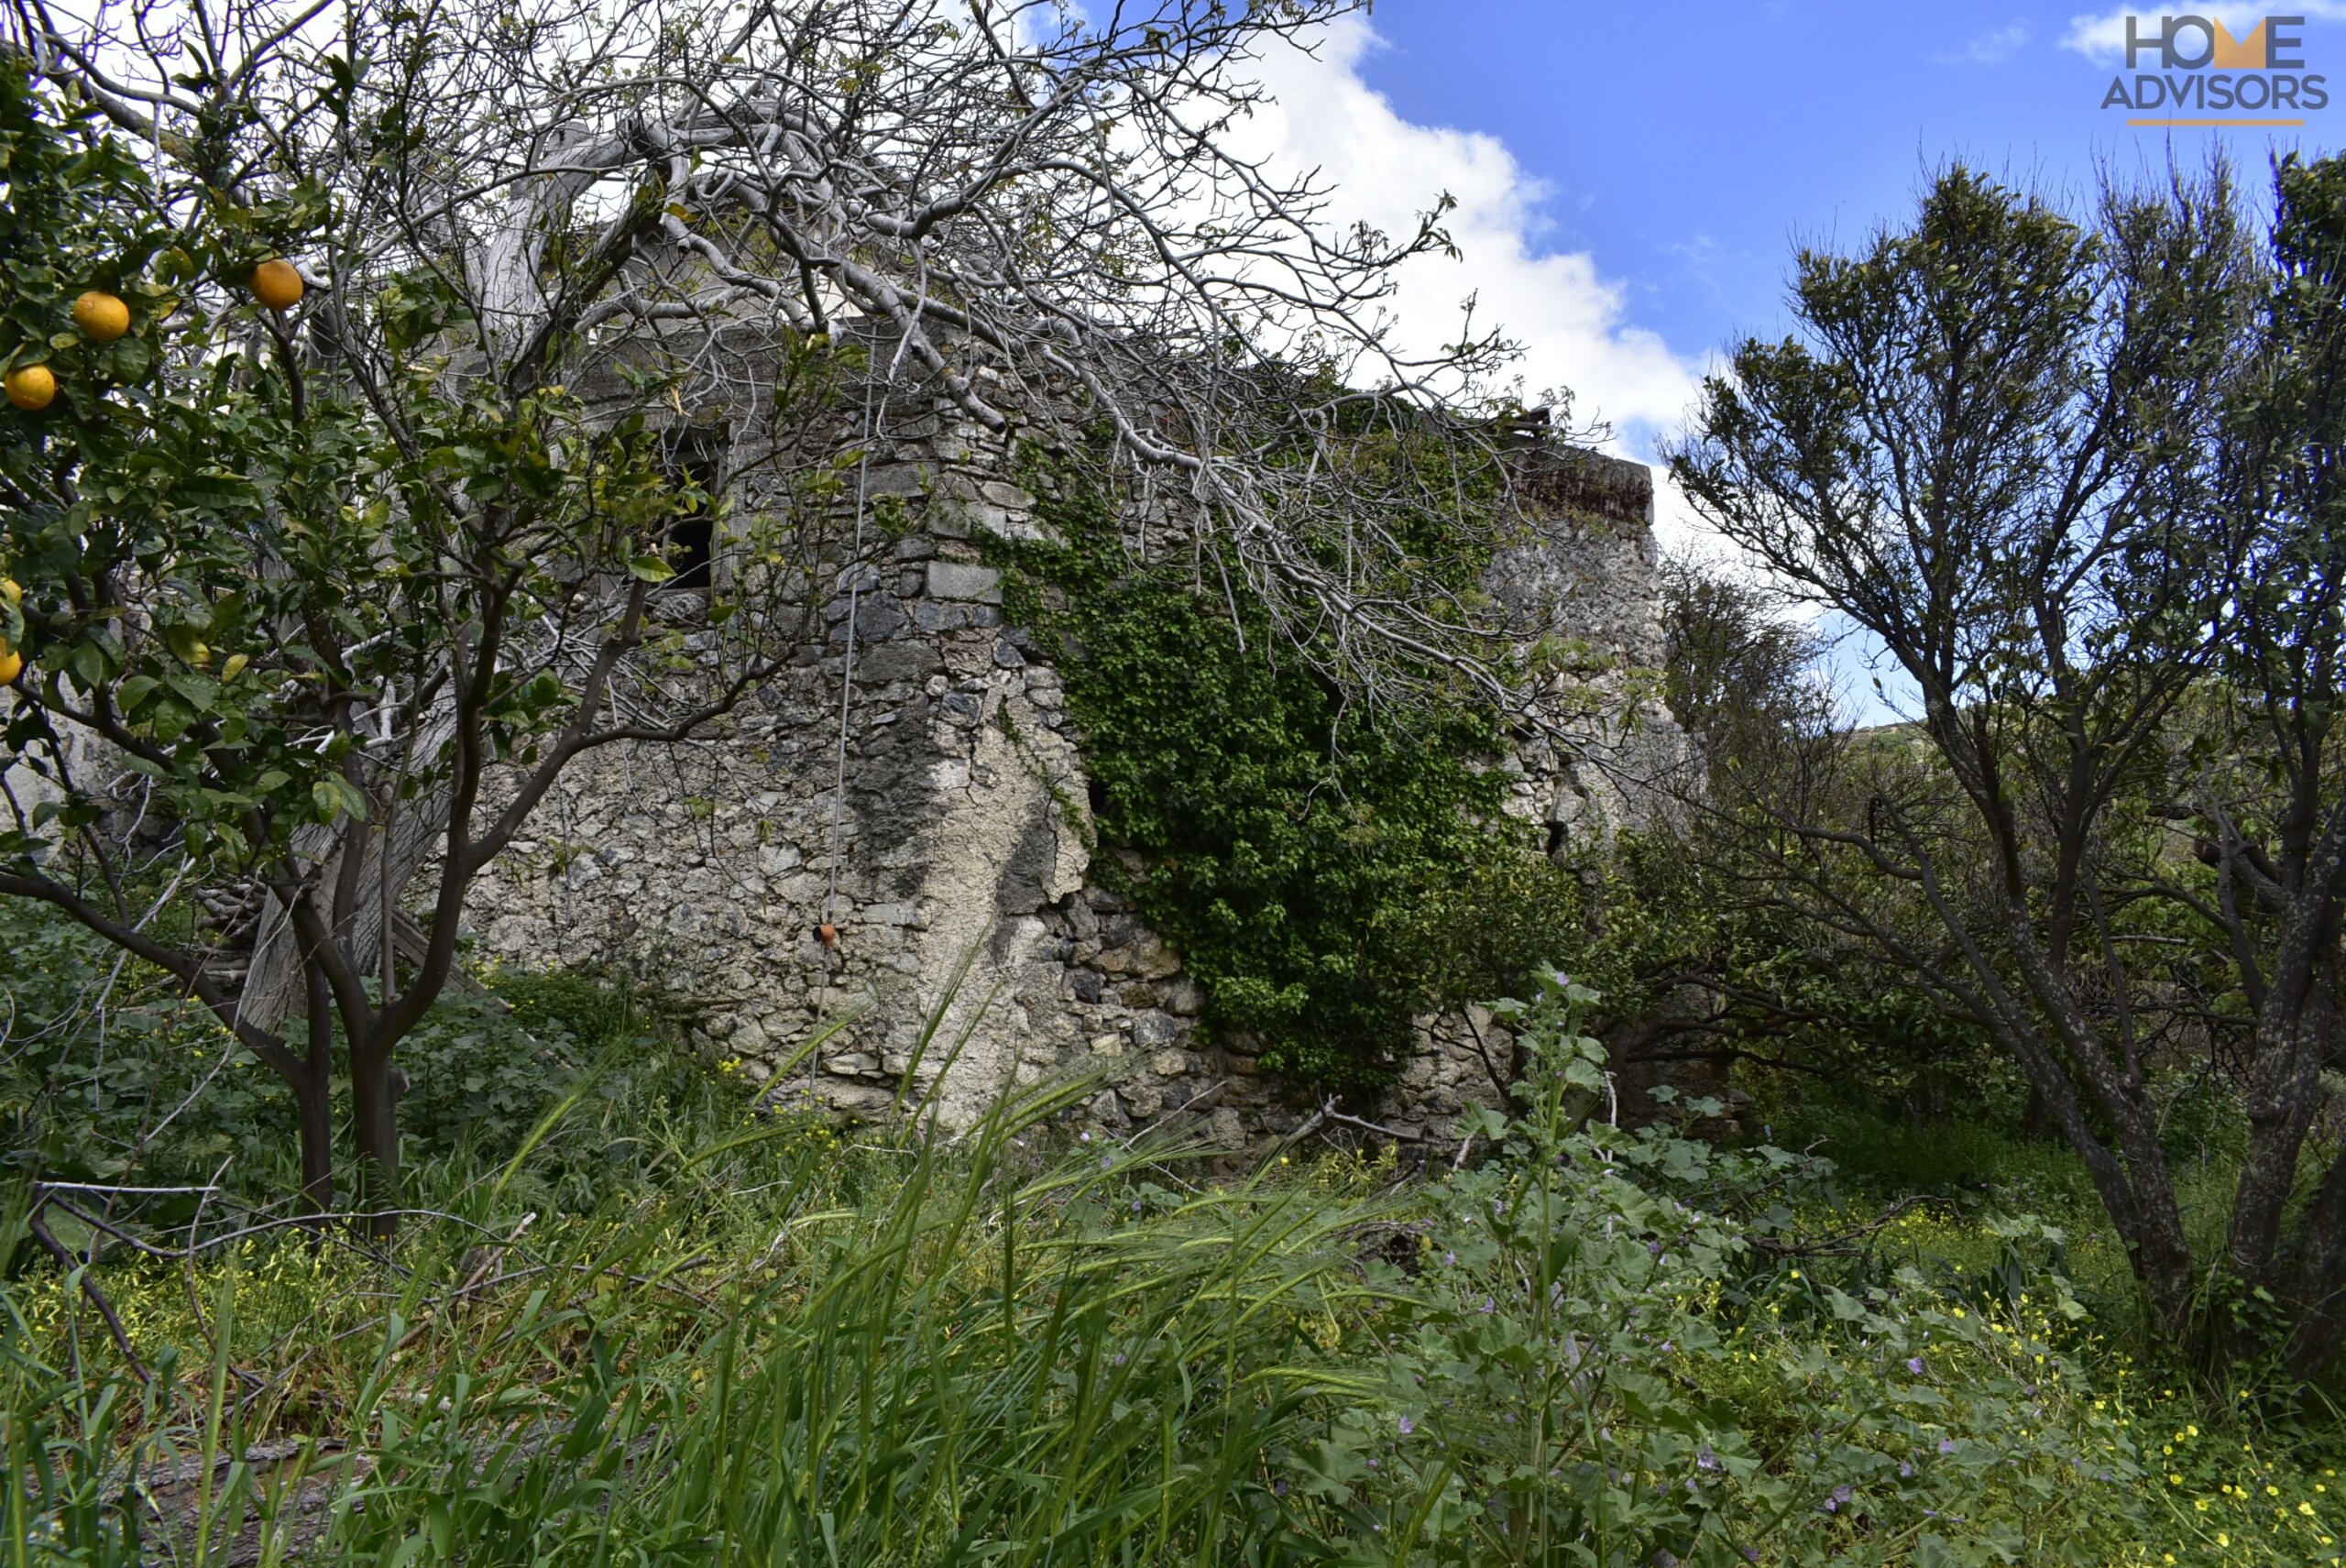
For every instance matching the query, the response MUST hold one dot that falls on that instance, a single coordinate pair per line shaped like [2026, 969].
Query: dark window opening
[1555, 839]
[692, 536]
[689, 544]
[1095, 794]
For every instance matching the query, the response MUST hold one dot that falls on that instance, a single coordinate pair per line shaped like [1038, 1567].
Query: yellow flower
[2306, 1509]
[2175, 1480]
[2272, 1491]
[2222, 1540]
[1958, 1311]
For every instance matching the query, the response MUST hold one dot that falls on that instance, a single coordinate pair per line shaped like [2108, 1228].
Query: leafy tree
[1994, 450]
[2261, 779]
[294, 629]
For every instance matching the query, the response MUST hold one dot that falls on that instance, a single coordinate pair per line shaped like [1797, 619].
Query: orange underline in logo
[2215, 121]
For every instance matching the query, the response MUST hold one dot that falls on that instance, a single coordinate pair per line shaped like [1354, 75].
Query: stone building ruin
[954, 870]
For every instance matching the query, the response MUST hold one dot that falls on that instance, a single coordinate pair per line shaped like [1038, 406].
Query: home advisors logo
[2201, 72]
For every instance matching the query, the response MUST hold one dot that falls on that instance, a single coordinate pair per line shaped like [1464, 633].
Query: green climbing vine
[1311, 859]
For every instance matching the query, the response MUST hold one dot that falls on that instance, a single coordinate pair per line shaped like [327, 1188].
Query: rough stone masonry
[958, 890]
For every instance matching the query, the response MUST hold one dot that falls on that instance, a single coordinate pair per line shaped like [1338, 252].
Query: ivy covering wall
[1329, 871]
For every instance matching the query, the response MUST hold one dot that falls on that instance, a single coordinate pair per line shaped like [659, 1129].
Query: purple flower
[1705, 1458]
[1279, 1487]
[1841, 1495]
[1914, 1365]
[1946, 1445]
[1407, 1426]
[1905, 1469]
[1449, 1257]
[1489, 1306]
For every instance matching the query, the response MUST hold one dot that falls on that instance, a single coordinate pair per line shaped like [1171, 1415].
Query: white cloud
[2103, 38]
[1992, 48]
[1572, 320]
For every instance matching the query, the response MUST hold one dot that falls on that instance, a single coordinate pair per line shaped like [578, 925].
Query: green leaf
[132, 691]
[651, 569]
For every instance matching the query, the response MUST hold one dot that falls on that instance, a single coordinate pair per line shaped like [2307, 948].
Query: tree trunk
[2320, 1292]
[2036, 1119]
[2138, 1187]
[313, 1097]
[2284, 1091]
[374, 1106]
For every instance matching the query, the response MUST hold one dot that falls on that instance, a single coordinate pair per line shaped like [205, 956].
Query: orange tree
[290, 639]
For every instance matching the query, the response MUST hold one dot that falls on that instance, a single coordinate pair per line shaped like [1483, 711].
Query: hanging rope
[886, 386]
[846, 681]
[829, 929]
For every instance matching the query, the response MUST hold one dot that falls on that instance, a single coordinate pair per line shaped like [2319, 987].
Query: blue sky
[1688, 147]
[1632, 180]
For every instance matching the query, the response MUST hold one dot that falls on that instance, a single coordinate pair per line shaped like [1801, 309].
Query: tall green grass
[780, 1350]
[653, 1325]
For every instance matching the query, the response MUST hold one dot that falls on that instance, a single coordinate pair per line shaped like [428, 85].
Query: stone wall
[954, 868]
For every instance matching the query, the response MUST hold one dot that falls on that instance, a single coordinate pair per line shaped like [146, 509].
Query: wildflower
[1914, 1365]
[1407, 1426]
[1489, 1306]
[1705, 1458]
[1946, 1445]
[2306, 1509]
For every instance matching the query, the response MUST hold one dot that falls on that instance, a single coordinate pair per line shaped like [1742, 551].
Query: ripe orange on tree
[31, 388]
[277, 285]
[101, 315]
